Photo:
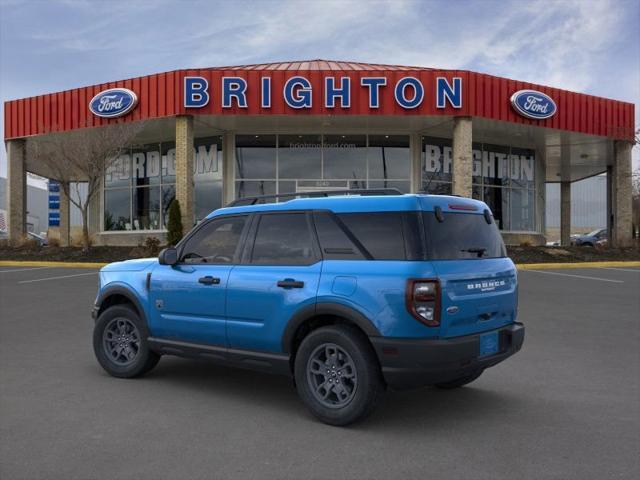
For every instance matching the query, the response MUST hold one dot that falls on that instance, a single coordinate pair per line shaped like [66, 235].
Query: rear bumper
[410, 363]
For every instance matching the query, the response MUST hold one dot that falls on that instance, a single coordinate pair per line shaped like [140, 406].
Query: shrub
[152, 246]
[174, 225]
[525, 244]
[54, 242]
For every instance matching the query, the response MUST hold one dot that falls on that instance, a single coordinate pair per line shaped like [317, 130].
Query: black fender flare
[125, 292]
[325, 308]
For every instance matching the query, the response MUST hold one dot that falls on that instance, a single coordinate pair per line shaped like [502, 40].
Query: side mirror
[168, 256]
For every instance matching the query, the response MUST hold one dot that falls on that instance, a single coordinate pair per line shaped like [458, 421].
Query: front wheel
[120, 343]
[337, 375]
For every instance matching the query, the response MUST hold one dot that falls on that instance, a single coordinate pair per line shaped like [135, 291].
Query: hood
[135, 265]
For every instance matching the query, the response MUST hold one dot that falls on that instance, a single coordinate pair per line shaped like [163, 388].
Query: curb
[549, 266]
[19, 263]
[519, 266]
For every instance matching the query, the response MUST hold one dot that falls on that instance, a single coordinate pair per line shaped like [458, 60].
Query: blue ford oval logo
[114, 102]
[533, 104]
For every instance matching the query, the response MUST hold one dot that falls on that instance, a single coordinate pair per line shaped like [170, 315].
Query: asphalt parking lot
[567, 406]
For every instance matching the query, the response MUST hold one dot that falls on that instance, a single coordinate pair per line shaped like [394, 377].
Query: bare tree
[82, 156]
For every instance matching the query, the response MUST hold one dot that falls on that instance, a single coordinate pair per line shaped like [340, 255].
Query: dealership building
[212, 135]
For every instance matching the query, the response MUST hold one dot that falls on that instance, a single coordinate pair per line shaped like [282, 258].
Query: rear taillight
[423, 301]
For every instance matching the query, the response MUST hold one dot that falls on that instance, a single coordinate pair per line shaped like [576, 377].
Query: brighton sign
[533, 104]
[113, 103]
[408, 92]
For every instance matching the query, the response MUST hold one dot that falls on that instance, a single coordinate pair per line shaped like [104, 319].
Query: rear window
[462, 236]
[380, 233]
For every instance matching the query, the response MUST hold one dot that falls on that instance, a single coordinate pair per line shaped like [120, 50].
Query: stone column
[462, 156]
[565, 213]
[621, 184]
[228, 168]
[415, 147]
[184, 170]
[65, 217]
[16, 191]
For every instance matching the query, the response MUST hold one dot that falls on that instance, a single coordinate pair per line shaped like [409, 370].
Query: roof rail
[321, 193]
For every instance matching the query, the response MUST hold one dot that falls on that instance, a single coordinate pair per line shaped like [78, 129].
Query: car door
[188, 299]
[279, 274]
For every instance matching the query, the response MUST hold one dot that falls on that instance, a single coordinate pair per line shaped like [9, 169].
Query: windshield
[462, 236]
[594, 233]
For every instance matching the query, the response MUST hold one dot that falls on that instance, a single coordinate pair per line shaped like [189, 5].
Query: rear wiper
[479, 250]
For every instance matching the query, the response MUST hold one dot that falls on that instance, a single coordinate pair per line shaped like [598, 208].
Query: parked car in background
[42, 240]
[590, 239]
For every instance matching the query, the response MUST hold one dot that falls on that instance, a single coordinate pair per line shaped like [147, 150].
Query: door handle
[290, 283]
[209, 280]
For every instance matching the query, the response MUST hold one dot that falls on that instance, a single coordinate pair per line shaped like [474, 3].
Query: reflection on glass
[207, 161]
[146, 208]
[146, 164]
[117, 215]
[300, 156]
[522, 209]
[256, 156]
[208, 198]
[436, 188]
[522, 167]
[168, 194]
[345, 156]
[497, 200]
[436, 160]
[389, 157]
[250, 188]
[168, 162]
[118, 173]
[403, 185]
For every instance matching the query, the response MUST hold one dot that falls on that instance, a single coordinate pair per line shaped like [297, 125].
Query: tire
[459, 382]
[131, 358]
[341, 356]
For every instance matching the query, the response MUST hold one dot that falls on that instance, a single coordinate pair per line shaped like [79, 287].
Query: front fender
[127, 291]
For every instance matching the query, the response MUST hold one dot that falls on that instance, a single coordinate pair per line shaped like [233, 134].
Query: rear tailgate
[477, 295]
[478, 282]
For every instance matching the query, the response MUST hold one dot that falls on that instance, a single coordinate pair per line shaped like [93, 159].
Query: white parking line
[57, 278]
[622, 269]
[576, 276]
[24, 269]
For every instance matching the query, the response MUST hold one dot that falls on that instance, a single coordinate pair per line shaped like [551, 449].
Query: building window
[140, 185]
[503, 177]
[270, 164]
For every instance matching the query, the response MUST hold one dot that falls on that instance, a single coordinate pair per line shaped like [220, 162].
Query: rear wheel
[337, 375]
[459, 382]
[120, 343]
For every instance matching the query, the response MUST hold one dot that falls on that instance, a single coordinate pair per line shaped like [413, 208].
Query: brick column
[462, 156]
[565, 213]
[228, 168]
[65, 218]
[16, 191]
[184, 170]
[622, 192]
[415, 147]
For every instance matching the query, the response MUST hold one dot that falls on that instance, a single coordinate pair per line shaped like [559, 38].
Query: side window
[334, 242]
[380, 233]
[283, 239]
[215, 242]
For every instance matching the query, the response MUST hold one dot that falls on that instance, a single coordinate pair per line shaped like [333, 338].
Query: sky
[581, 45]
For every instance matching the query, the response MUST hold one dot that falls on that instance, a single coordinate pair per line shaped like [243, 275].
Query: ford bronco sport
[348, 294]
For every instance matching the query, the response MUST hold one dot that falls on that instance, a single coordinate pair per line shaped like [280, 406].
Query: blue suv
[348, 295]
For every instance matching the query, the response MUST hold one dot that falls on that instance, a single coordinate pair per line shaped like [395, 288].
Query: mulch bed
[571, 254]
[114, 254]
